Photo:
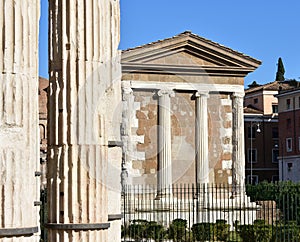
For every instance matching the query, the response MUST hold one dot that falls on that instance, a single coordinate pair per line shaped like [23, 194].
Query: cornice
[186, 70]
[186, 41]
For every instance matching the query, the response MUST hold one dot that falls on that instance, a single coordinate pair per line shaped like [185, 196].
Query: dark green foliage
[178, 230]
[221, 230]
[285, 194]
[137, 229]
[253, 84]
[233, 236]
[258, 232]
[286, 232]
[203, 231]
[280, 71]
[140, 229]
[155, 231]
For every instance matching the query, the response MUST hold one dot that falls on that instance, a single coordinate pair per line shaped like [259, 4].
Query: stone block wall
[144, 137]
[220, 141]
[142, 163]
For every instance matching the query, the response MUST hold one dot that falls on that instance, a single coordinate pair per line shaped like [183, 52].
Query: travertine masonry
[205, 110]
[84, 118]
[19, 119]
[142, 124]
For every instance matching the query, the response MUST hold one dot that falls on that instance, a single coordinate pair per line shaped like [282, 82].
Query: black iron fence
[210, 213]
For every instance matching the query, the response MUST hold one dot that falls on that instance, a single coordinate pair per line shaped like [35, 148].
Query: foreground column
[19, 146]
[238, 152]
[164, 141]
[202, 164]
[82, 121]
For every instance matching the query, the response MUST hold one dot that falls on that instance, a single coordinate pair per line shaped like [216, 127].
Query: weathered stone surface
[84, 116]
[19, 142]
[169, 64]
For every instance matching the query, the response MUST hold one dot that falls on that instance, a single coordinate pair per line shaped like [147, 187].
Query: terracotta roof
[253, 110]
[273, 86]
[294, 90]
[190, 34]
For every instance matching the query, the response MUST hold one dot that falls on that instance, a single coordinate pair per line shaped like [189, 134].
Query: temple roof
[206, 54]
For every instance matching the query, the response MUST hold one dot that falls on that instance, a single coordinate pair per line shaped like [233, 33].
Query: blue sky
[263, 29]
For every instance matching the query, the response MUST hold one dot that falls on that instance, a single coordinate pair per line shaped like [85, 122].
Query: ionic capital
[168, 92]
[127, 90]
[237, 95]
[126, 87]
[204, 94]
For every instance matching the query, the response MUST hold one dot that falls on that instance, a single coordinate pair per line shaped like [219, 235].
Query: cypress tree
[280, 71]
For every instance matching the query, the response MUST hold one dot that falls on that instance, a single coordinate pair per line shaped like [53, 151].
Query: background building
[289, 134]
[261, 114]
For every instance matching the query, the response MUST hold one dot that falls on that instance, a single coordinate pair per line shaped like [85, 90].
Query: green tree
[280, 70]
[253, 84]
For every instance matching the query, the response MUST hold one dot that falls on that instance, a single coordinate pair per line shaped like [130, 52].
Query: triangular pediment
[188, 49]
[181, 57]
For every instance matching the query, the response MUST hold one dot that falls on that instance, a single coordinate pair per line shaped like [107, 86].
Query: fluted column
[164, 141]
[127, 112]
[201, 136]
[19, 143]
[238, 152]
[84, 92]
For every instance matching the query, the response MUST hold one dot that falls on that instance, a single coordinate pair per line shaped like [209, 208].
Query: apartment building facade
[289, 134]
[262, 141]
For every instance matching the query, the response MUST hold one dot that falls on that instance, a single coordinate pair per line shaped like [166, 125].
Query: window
[255, 100]
[289, 147]
[275, 108]
[253, 132]
[254, 179]
[275, 154]
[42, 131]
[275, 133]
[288, 123]
[288, 104]
[252, 155]
[275, 178]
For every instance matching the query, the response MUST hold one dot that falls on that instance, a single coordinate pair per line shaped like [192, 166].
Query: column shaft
[19, 143]
[164, 141]
[84, 93]
[238, 153]
[127, 113]
[202, 163]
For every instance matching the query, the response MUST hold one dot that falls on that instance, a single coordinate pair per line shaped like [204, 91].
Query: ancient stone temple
[84, 121]
[183, 112]
[19, 136]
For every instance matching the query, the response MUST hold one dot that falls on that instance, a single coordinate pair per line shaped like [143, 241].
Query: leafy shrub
[137, 229]
[286, 232]
[259, 231]
[155, 231]
[178, 230]
[286, 194]
[221, 230]
[233, 236]
[140, 229]
[203, 231]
